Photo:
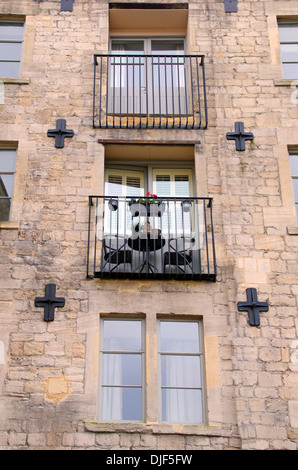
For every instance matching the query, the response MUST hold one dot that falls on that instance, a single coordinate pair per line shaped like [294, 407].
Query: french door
[122, 184]
[148, 76]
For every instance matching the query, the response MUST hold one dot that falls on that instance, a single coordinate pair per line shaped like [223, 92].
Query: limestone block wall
[49, 371]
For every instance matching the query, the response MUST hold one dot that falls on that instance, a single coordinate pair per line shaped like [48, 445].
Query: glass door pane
[123, 185]
[127, 77]
[174, 184]
[169, 76]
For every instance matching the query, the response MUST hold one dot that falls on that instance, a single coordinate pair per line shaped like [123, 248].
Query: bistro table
[146, 244]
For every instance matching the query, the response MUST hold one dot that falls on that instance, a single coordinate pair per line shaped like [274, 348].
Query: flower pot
[113, 204]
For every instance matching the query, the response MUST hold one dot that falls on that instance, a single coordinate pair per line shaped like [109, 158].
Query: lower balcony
[151, 238]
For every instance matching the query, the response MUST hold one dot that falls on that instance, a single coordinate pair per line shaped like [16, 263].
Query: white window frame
[200, 354]
[103, 351]
[12, 41]
[140, 97]
[288, 24]
[294, 176]
[10, 173]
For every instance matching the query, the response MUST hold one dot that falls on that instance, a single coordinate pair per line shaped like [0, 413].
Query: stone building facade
[51, 373]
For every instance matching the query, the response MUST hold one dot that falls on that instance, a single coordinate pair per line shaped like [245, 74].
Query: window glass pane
[182, 406]
[122, 369]
[128, 47]
[296, 207]
[120, 404]
[10, 31]
[179, 336]
[170, 47]
[6, 185]
[122, 335]
[288, 33]
[180, 371]
[7, 161]
[9, 69]
[4, 208]
[10, 51]
[294, 165]
[295, 187]
[289, 52]
[290, 71]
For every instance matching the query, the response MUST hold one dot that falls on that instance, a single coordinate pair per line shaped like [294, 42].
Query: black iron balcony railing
[160, 238]
[149, 92]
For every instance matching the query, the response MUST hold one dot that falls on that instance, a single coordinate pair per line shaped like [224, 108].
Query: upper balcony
[145, 238]
[149, 92]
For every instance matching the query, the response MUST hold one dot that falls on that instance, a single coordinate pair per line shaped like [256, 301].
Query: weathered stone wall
[49, 371]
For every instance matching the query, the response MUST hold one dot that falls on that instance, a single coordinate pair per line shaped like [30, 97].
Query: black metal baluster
[179, 92]
[89, 233]
[213, 241]
[146, 84]
[205, 94]
[120, 84]
[140, 91]
[159, 91]
[114, 90]
[198, 239]
[199, 98]
[107, 89]
[206, 237]
[95, 235]
[169, 234]
[192, 94]
[153, 90]
[161, 252]
[127, 91]
[94, 82]
[184, 59]
[133, 92]
[173, 94]
[166, 92]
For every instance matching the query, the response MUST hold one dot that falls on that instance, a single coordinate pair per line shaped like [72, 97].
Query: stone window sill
[154, 428]
[15, 81]
[10, 225]
[292, 230]
[285, 82]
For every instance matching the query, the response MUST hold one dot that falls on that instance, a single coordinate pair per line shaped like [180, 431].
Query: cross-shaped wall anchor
[253, 306]
[66, 5]
[240, 136]
[231, 6]
[49, 302]
[60, 133]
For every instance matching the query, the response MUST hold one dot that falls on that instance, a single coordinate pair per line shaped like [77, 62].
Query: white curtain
[182, 405]
[112, 396]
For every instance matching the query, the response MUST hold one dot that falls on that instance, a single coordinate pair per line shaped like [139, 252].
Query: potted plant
[149, 206]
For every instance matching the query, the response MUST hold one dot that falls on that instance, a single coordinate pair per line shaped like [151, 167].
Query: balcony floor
[155, 276]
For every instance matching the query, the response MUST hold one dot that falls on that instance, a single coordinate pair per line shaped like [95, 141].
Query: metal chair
[117, 254]
[179, 254]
